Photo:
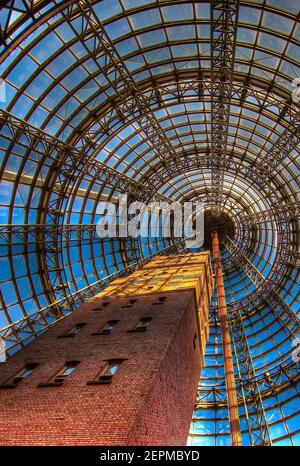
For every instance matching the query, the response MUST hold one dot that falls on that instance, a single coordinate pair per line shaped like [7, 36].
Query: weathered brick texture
[148, 402]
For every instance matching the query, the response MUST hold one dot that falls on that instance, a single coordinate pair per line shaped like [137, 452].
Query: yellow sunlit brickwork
[169, 274]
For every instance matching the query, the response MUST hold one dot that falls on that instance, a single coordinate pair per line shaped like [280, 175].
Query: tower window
[107, 328]
[65, 372]
[161, 300]
[194, 340]
[131, 303]
[108, 372]
[74, 330]
[22, 374]
[103, 305]
[142, 325]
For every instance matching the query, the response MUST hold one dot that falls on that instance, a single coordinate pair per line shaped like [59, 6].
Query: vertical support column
[228, 364]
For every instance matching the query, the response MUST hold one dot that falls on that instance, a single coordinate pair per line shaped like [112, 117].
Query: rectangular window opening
[108, 327]
[161, 300]
[102, 306]
[130, 304]
[74, 330]
[142, 325]
[19, 376]
[108, 372]
[59, 378]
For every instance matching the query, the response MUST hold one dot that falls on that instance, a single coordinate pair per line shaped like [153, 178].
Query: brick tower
[121, 370]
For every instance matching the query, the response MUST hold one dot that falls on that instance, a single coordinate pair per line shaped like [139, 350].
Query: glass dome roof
[106, 97]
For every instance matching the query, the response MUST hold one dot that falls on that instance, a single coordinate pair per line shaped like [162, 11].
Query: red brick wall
[150, 399]
[165, 416]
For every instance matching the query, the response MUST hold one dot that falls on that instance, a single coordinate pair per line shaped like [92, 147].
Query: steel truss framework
[67, 164]
[279, 212]
[193, 89]
[113, 68]
[224, 21]
[251, 395]
[268, 383]
[74, 168]
[68, 159]
[266, 290]
[280, 150]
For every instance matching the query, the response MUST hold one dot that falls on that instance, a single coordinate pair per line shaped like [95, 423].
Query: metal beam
[190, 90]
[28, 21]
[226, 343]
[31, 233]
[282, 215]
[98, 45]
[290, 210]
[71, 159]
[250, 390]
[224, 20]
[265, 290]
[269, 383]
